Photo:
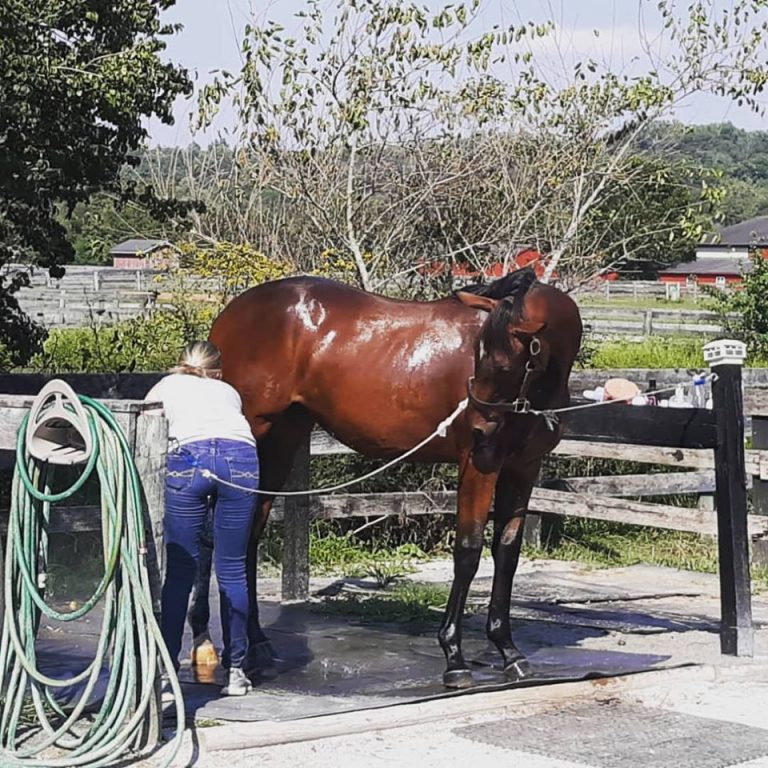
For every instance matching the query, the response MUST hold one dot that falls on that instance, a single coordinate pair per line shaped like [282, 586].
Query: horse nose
[485, 430]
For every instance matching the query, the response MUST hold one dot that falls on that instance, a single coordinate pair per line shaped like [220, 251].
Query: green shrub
[661, 352]
[750, 305]
[684, 352]
[148, 343]
[6, 359]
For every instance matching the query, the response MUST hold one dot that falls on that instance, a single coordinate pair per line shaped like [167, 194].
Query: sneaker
[238, 684]
[166, 691]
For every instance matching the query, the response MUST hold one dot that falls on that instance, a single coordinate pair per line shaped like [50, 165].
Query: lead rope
[550, 416]
[440, 431]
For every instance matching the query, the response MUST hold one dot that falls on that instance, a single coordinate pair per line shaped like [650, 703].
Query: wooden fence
[708, 444]
[147, 439]
[629, 321]
[643, 289]
[87, 295]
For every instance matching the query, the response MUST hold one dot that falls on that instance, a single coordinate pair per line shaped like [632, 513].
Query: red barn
[723, 258]
[526, 257]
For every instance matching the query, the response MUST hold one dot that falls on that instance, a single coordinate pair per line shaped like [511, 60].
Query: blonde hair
[200, 358]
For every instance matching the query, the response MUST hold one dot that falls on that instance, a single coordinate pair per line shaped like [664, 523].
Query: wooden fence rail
[640, 289]
[607, 321]
[710, 442]
[107, 294]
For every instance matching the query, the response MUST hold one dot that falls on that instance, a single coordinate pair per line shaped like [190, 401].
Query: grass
[606, 545]
[653, 352]
[334, 553]
[404, 603]
[601, 544]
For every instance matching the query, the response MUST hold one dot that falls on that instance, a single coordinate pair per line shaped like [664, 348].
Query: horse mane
[510, 291]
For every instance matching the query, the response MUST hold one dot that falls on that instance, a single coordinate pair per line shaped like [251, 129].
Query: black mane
[513, 283]
[510, 292]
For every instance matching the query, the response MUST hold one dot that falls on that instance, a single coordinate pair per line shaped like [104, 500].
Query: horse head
[511, 354]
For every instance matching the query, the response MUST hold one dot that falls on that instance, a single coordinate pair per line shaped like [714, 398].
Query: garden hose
[36, 728]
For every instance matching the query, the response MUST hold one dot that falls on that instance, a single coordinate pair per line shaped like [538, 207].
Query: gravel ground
[720, 689]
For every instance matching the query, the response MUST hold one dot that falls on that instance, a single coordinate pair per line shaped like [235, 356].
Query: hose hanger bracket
[58, 430]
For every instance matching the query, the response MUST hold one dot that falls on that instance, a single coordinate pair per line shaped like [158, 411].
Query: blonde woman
[207, 431]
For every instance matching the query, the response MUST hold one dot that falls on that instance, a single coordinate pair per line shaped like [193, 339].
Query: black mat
[330, 663]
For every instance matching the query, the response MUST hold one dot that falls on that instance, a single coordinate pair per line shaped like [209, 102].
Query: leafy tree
[744, 312]
[655, 217]
[94, 227]
[382, 121]
[79, 79]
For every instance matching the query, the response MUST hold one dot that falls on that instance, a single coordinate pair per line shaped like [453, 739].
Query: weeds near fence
[653, 352]
[408, 602]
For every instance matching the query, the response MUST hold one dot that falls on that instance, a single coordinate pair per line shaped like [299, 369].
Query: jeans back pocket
[179, 474]
[243, 472]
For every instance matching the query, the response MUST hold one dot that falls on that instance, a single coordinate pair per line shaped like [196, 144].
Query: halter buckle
[521, 405]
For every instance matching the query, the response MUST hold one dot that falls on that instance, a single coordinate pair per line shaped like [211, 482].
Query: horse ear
[527, 328]
[476, 302]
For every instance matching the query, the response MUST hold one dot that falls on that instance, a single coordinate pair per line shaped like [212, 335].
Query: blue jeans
[188, 495]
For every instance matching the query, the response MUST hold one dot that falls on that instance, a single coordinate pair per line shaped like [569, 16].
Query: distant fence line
[629, 321]
[644, 289]
[88, 294]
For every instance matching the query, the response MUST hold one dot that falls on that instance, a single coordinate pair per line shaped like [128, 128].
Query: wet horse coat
[380, 374]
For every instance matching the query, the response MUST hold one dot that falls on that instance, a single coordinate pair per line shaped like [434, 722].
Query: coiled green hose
[130, 644]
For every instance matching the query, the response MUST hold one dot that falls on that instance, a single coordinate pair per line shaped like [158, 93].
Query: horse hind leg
[203, 651]
[277, 452]
[513, 490]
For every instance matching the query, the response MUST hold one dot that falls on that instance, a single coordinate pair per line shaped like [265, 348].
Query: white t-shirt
[200, 409]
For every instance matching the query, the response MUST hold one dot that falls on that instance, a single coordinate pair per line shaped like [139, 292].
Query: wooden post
[726, 358]
[760, 487]
[296, 519]
[532, 531]
[96, 281]
[648, 322]
[149, 452]
[2, 584]
[148, 438]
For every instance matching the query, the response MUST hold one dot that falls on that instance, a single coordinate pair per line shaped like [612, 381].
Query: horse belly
[381, 416]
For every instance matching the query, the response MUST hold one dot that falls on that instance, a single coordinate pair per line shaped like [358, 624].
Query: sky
[210, 40]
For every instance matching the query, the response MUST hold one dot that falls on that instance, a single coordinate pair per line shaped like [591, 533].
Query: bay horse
[380, 374]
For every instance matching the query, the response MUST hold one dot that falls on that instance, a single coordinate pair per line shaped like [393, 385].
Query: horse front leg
[513, 491]
[474, 499]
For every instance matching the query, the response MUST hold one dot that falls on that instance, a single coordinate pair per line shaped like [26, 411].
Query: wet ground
[572, 623]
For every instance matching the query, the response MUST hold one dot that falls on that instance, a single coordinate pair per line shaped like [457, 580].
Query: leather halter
[521, 404]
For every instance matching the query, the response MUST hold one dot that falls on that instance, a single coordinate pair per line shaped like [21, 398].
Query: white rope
[550, 415]
[440, 431]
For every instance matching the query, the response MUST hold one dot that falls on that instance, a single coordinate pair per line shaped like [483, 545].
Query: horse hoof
[204, 652]
[518, 670]
[458, 678]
